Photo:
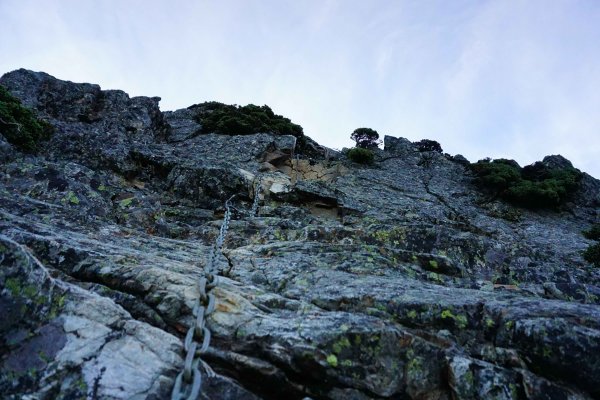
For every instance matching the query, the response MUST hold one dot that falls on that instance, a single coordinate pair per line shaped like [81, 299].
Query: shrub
[497, 175]
[366, 138]
[228, 119]
[593, 233]
[19, 125]
[428, 145]
[534, 186]
[535, 172]
[545, 194]
[592, 254]
[361, 155]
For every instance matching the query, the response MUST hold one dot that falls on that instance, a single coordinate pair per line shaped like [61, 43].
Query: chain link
[197, 339]
[257, 188]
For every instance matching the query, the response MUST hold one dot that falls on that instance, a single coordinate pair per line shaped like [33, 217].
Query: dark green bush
[593, 233]
[19, 125]
[228, 119]
[361, 155]
[535, 186]
[428, 145]
[535, 172]
[592, 254]
[366, 138]
[497, 175]
[543, 194]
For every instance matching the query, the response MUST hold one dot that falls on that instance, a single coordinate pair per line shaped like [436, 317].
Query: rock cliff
[392, 281]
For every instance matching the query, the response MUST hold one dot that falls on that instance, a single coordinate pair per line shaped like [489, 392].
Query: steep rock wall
[399, 280]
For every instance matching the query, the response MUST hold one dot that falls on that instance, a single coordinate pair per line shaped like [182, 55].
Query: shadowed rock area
[399, 280]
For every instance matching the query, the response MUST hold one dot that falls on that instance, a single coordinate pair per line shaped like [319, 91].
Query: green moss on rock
[340, 345]
[332, 360]
[13, 285]
[459, 320]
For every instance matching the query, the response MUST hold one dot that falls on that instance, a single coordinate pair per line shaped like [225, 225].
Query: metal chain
[189, 381]
[255, 202]
[257, 187]
[197, 340]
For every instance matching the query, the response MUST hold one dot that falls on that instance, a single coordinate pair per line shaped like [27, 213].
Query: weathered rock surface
[394, 281]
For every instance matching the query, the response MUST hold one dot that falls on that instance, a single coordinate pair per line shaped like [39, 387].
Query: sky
[502, 79]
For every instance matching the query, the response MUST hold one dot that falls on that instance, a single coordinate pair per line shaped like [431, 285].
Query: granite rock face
[395, 281]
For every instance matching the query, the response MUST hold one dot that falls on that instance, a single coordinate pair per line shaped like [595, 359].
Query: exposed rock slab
[393, 281]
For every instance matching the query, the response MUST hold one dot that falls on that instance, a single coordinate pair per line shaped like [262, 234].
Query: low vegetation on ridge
[227, 119]
[19, 125]
[360, 155]
[535, 186]
[428, 145]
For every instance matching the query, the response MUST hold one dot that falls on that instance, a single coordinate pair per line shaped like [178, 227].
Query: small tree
[366, 138]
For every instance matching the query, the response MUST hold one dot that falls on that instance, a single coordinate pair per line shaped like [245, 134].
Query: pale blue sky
[516, 79]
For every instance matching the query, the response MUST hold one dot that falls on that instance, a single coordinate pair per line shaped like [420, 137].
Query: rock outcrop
[399, 280]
